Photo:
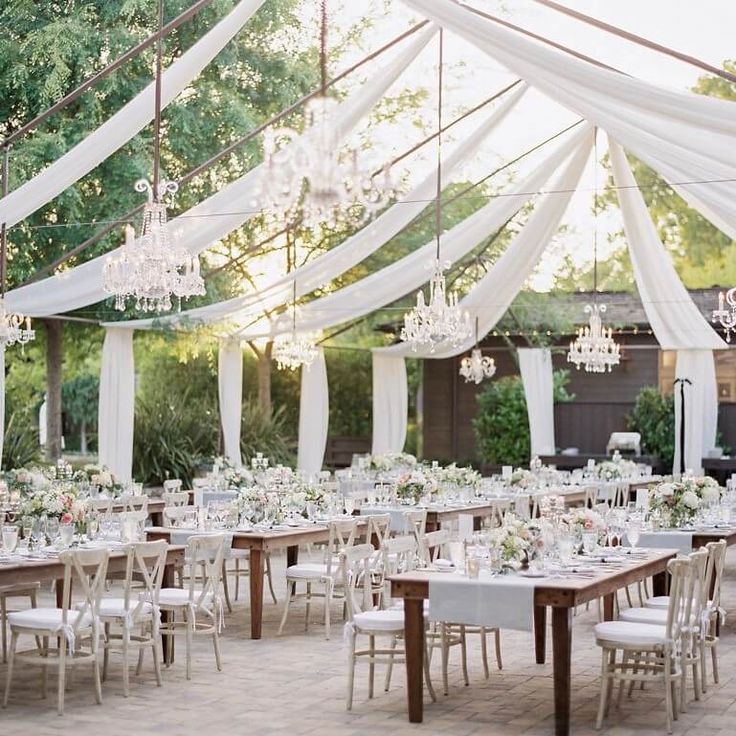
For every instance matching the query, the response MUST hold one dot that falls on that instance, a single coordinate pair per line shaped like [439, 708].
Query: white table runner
[681, 541]
[502, 601]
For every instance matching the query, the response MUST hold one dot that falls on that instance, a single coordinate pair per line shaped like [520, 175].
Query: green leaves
[653, 416]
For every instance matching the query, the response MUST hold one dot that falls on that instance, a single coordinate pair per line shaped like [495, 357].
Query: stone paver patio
[294, 685]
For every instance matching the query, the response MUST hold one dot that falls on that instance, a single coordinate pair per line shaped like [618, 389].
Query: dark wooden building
[601, 402]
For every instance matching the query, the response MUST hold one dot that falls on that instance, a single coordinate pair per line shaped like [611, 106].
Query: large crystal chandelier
[151, 269]
[594, 347]
[14, 328]
[294, 350]
[441, 321]
[307, 177]
[726, 312]
[476, 366]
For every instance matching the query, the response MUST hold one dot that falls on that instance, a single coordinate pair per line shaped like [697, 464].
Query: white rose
[690, 499]
[710, 493]
[666, 490]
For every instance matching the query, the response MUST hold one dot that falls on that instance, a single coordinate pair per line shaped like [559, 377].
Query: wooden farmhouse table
[561, 595]
[259, 543]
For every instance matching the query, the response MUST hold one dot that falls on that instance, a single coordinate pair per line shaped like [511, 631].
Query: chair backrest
[591, 496]
[432, 544]
[100, 505]
[399, 554]
[612, 493]
[207, 550]
[174, 515]
[713, 573]
[342, 534]
[172, 485]
[146, 563]
[698, 590]
[134, 503]
[175, 498]
[379, 528]
[356, 567]
[416, 522]
[680, 576]
[87, 568]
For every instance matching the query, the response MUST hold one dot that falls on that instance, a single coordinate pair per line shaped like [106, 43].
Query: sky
[702, 28]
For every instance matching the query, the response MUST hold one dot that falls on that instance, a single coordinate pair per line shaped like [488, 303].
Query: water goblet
[349, 503]
[52, 529]
[590, 542]
[10, 538]
[66, 534]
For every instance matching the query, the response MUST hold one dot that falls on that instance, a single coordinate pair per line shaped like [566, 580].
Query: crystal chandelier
[151, 269]
[295, 350]
[726, 312]
[594, 347]
[441, 321]
[12, 329]
[475, 367]
[306, 178]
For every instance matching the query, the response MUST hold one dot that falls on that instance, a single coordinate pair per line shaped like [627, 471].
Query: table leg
[540, 633]
[157, 518]
[659, 583]
[168, 580]
[561, 656]
[414, 646]
[257, 569]
[59, 591]
[608, 607]
[292, 555]
[477, 523]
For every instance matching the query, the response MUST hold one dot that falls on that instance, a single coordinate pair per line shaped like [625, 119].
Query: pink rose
[67, 518]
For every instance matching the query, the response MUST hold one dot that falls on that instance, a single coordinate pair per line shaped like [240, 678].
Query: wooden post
[54, 359]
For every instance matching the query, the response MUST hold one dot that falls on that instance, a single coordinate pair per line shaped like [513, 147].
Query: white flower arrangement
[460, 476]
[59, 501]
[392, 460]
[679, 501]
[521, 478]
[513, 539]
[584, 519]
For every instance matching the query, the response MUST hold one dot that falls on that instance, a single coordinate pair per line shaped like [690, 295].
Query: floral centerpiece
[59, 501]
[521, 478]
[25, 481]
[233, 476]
[100, 477]
[462, 477]
[514, 539]
[392, 461]
[678, 502]
[584, 520]
[616, 469]
[411, 487]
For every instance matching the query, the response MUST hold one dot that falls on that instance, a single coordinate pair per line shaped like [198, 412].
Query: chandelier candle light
[295, 350]
[152, 269]
[307, 179]
[475, 367]
[594, 347]
[726, 312]
[12, 329]
[441, 321]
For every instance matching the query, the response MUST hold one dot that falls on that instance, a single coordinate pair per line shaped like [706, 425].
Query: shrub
[653, 416]
[269, 435]
[20, 443]
[501, 425]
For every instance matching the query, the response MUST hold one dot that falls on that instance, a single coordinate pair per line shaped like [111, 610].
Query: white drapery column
[697, 369]
[535, 365]
[314, 415]
[230, 394]
[117, 403]
[390, 404]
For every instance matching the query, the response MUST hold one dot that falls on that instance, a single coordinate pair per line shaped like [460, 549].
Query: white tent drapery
[314, 415]
[390, 403]
[230, 396]
[117, 403]
[535, 365]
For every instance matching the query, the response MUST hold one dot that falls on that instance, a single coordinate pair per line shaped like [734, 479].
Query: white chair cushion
[658, 601]
[115, 608]
[656, 616]
[624, 632]
[46, 618]
[177, 596]
[310, 571]
[391, 620]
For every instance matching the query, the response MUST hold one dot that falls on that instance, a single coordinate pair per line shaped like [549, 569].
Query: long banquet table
[561, 595]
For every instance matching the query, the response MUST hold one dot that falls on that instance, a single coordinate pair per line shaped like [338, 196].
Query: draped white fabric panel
[338, 260]
[212, 219]
[390, 404]
[675, 320]
[124, 124]
[493, 294]
[117, 402]
[230, 394]
[694, 133]
[535, 365]
[411, 272]
[701, 408]
[314, 414]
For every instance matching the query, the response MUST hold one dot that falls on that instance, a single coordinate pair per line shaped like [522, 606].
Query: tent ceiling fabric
[124, 124]
[214, 218]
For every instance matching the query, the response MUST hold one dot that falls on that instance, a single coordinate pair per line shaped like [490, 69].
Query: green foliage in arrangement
[653, 416]
[501, 426]
[20, 442]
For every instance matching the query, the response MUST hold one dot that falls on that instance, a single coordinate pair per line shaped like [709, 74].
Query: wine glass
[27, 526]
[590, 542]
[633, 533]
[52, 529]
[349, 502]
[10, 538]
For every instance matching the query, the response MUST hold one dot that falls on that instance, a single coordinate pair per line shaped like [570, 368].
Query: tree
[80, 397]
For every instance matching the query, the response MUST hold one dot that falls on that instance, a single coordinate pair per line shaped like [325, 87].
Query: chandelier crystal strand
[725, 315]
[594, 347]
[14, 328]
[307, 178]
[475, 367]
[441, 321]
[151, 269]
[295, 350]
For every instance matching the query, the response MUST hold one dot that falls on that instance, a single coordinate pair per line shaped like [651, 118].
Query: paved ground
[295, 684]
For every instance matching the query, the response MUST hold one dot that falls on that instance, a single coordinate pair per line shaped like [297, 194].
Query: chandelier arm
[157, 103]
[438, 203]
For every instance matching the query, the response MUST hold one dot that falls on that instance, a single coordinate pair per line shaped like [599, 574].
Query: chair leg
[34, 604]
[703, 673]
[669, 702]
[237, 577]
[4, 622]
[497, 637]
[286, 607]
[226, 588]
[190, 637]
[309, 603]
[464, 655]
[269, 576]
[141, 652]
[390, 668]
[622, 685]
[106, 653]
[328, 604]
[427, 675]
[445, 657]
[371, 664]
[216, 645]
[62, 676]
[351, 669]
[157, 653]
[484, 651]
[126, 652]
[683, 682]
[96, 669]
[714, 659]
[9, 674]
[602, 706]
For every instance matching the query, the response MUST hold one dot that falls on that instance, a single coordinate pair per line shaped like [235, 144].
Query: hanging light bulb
[152, 269]
[475, 367]
[594, 347]
[296, 349]
[307, 178]
[441, 321]
[726, 312]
